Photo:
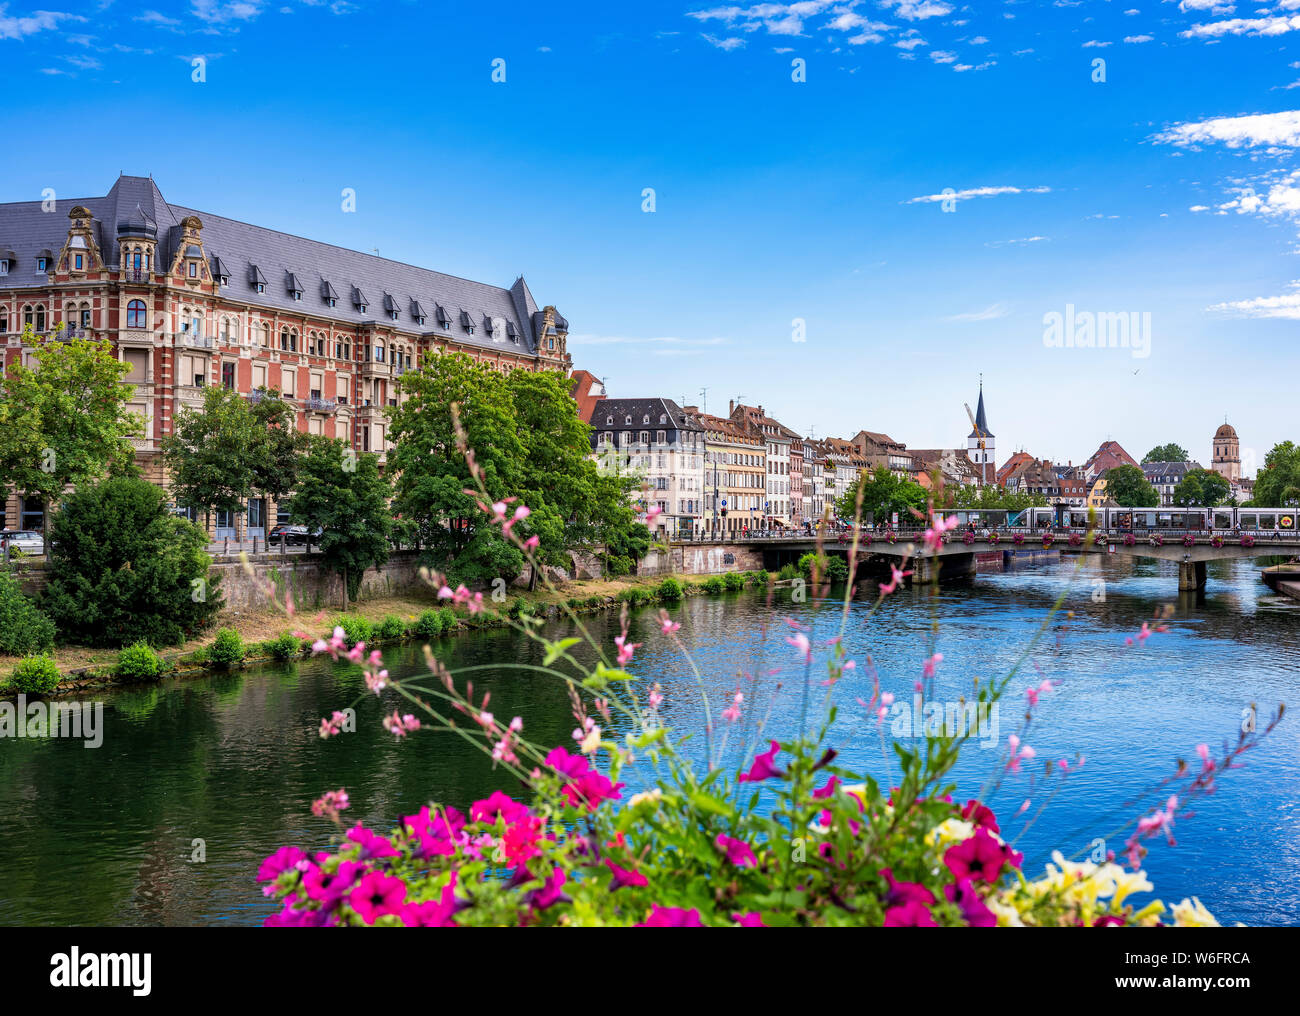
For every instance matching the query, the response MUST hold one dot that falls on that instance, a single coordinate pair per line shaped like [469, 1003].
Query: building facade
[735, 475]
[1166, 476]
[664, 446]
[190, 299]
[778, 457]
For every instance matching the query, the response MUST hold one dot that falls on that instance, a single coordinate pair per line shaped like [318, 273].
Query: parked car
[292, 536]
[25, 541]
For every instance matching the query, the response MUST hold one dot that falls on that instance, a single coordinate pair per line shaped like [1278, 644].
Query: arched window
[40, 318]
[4, 320]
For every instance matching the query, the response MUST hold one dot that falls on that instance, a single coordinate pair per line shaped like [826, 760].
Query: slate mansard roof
[135, 207]
[639, 409]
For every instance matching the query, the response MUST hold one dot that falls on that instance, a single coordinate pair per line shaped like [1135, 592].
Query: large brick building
[191, 299]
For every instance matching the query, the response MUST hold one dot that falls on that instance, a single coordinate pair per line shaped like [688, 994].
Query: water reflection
[230, 764]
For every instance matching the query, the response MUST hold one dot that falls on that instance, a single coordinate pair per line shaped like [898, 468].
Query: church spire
[981, 421]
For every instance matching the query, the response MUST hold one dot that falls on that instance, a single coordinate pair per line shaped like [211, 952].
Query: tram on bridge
[1137, 520]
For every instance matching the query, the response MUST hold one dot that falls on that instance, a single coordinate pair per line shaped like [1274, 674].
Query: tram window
[1268, 522]
[1248, 521]
[1222, 520]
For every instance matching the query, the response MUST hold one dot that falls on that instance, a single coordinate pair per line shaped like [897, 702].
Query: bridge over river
[956, 557]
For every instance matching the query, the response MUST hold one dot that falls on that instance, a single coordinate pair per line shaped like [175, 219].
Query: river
[197, 780]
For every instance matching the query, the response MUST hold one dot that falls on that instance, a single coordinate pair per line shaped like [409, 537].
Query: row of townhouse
[190, 299]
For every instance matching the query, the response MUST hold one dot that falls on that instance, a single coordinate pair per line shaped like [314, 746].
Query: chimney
[731, 406]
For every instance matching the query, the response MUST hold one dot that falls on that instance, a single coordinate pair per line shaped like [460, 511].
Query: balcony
[137, 275]
[375, 368]
[260, 395]
[316, 405]
[190, 340]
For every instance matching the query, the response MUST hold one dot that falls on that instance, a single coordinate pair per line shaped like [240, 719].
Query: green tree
[278, 446]
[123, 568]
[213, 453]
[433, 475]
[1201, 489]
[992, 497]
[1166, 453]
[345, 496]
[1127, 486]
[74, 403]
[1278, 482]
[883, 493]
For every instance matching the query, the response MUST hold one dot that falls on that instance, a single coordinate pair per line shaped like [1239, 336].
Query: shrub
[595, 601]
[286, 647]
[449, 620]
[733, 581]
[24, 628]
[139, 662]
[618, 565]
[671, 590]
[787, 572]
[122, 568]
[429, 624]
[713, 584]
[391, 627]
[227, 648]
[837, 569]
[36, 675]
[355, 628]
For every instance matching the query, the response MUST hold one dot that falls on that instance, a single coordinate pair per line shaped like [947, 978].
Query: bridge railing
[1060, 535]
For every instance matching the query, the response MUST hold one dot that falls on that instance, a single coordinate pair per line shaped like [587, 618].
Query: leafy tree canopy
[123, 568]
[1201, 488]
[344, 495]
[1278, 482]
[883, 493]
[1166, 453]
[1127, 486]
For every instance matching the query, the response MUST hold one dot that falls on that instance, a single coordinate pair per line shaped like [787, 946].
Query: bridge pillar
[950, 567]
[1191, 576]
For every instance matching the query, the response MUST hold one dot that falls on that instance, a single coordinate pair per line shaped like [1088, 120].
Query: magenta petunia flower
[377, 895]
[671, 917]
[828, 790]
[279, 862]
[497, 805]
[978, 858]
[327, 889]
[753, 919]
[977, 915]
[568, 765]
[738, 852]
[901, 893]
[622, 876]
[551, 891]
[434, 913]
[591, 789]
[980, 816]
[372, 844]
[763, 767]
[910, 915]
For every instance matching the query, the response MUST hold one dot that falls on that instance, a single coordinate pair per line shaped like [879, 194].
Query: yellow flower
[1192, 914]
[644, 796]
[948, 832]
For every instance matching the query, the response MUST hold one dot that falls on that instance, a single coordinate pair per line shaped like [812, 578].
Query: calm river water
[106, 836]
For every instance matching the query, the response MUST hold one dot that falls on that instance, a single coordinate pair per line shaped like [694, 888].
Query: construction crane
[984, 477]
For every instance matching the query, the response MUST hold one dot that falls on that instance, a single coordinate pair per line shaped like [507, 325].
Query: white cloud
[1094, 44]
[918, 10]
[1285, 306]
[989, 313]
[40, 21]
[1199, 208]
[1237, 131]
[941, 56]
[976, 192]
[1138, 38]
[1243, 26]
[1016, 243]
[218, 13]
[724, 44]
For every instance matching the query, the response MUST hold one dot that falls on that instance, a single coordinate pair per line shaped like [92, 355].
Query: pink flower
[372, 844]
[330, 804]
[800, 641]
[896, 576]
[532, 543]
[279, 862]
[625, 649]
[763, 767]
[521, 513]
[551, 891]
[400, 726]
[622, 877]
[910, 915]
[654, 512]
[732, 712]
[671, 917]
[592, 789]
[902, 893]
[666, 624]
[738, 852]
[497, 806]
[979, 858]
[656, 699]
[927, 670]
[977, 915]
[752, 919]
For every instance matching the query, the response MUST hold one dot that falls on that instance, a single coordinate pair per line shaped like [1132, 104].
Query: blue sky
[1169, 188]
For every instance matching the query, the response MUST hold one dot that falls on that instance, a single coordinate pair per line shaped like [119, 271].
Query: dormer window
[442, 317]
[467, 322]
[79, 260]
[256, 279]
[4, 266]
[42, 264]
[609, 421]
[417, 312]
[511, 332]
[194, 267]
[295, 287]
[359, 300]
